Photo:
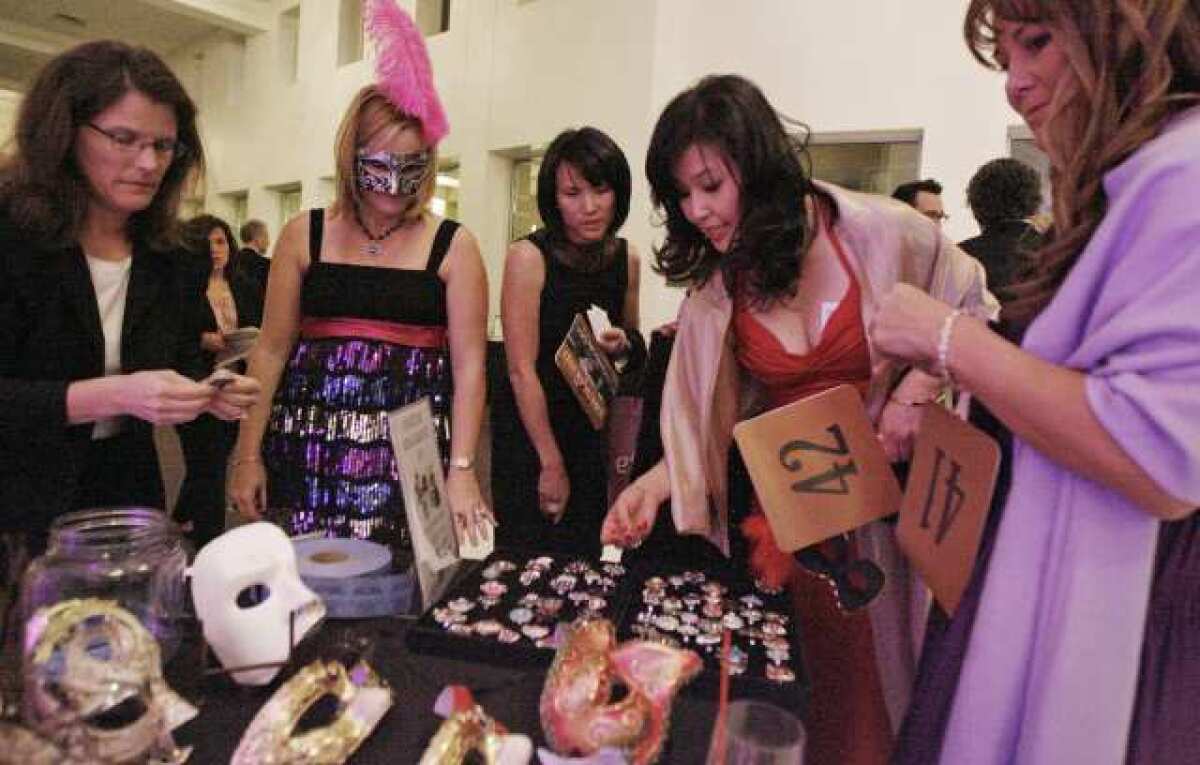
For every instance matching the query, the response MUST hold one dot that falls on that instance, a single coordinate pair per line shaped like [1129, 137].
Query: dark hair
[1004, 189]
[600, 161]
[251, 229]
[1141, 63]
[195, 240]
[42, 188]
[907, 192]
[730, 113]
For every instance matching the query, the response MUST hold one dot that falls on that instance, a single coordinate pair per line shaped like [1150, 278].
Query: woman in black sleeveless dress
[549, 470]
[371, 305]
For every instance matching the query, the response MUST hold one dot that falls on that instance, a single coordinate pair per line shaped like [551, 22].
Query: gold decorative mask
[469, 729]
[577, 714]
[363, 698]
[94, 685]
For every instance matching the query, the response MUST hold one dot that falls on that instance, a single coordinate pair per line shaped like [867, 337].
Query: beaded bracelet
[243, 460]
[943, 346]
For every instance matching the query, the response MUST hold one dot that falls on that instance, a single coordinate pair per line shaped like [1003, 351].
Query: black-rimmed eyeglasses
[131, 143]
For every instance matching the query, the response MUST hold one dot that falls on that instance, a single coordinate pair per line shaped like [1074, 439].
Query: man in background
[252, 258]
[925, 196]
[1004, 194]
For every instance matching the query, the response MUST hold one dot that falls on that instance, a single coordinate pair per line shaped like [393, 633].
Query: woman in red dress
[785, 274]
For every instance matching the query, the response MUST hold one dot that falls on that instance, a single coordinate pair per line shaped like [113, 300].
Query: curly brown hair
[1136, 63]
[42, 190]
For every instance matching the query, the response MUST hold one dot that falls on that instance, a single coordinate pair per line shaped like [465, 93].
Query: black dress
[515, 466]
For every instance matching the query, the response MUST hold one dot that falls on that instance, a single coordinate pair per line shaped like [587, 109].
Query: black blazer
[50, 335]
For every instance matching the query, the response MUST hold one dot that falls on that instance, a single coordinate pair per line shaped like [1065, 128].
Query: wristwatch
[462, 463]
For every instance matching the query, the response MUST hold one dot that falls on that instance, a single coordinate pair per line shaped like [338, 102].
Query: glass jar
[132, 555]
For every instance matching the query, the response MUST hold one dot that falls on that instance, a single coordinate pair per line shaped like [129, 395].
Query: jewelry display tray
[429, 635]
[623, 604]
[752, 683]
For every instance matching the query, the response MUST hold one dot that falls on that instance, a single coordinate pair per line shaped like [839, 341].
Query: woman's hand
[554, 489]
[897, 429]
[907, 327]
[635, 510]
[233, 395]
[471, 513]
[161, 396]
[249, 488]
[613, 342]
[213, 342]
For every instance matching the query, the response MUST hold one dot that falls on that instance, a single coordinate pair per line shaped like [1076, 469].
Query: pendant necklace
[374, 247]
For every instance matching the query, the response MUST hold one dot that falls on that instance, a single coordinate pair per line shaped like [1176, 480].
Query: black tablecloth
[509, 695]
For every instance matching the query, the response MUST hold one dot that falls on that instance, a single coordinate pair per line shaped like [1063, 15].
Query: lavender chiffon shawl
[1050, 674]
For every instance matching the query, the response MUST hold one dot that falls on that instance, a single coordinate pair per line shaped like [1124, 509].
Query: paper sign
[950, 485]
[817, 468]
[429, 521]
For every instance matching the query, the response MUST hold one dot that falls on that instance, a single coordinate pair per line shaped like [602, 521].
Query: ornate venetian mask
[94, 685]
[577, 711]
[362, 700]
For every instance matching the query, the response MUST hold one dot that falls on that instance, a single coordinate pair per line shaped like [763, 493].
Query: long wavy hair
[43, 190]
[1133, 64]
[730, 113]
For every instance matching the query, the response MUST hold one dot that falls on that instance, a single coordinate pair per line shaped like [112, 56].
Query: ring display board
[683, 606]
[506, 609]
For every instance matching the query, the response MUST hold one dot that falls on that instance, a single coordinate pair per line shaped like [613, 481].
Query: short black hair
[1004, 189]
[601, 162]
[907, 192]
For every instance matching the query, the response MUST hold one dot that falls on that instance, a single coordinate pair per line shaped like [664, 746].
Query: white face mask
[258, 563]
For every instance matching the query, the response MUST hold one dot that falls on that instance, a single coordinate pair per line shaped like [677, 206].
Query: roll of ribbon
[354, 578]
[333, 558]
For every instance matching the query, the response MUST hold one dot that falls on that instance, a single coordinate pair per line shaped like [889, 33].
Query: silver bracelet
[943, 346]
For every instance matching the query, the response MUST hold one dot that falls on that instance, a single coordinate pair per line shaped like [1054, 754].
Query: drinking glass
[758, 733]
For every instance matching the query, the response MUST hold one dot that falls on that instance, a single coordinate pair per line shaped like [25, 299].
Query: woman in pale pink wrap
[1079, 638]
[786, 274]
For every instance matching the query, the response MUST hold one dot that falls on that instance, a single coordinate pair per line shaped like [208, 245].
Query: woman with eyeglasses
[97, 341]
[372, 304]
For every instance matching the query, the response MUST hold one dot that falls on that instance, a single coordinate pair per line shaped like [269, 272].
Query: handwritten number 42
[832, 481]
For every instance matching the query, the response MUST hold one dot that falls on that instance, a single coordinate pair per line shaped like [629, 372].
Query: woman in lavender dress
[1079, 640]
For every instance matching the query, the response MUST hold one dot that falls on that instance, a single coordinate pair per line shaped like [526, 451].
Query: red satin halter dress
[847, 719]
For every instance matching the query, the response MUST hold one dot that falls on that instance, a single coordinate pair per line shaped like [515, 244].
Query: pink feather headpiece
[402, 70]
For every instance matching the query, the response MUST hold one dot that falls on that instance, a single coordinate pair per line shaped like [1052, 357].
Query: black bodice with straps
[401, 295]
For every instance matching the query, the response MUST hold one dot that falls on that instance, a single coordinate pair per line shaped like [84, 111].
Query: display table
[509, 695]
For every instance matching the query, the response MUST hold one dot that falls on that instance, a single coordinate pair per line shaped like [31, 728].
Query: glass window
[433, 16]
[523, 218]
[289, 203]
[872, 162]
[446, 190]
[350, 32]
[238, 204]
[289, 44]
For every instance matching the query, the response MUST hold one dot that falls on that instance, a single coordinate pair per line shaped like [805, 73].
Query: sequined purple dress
[371, 340]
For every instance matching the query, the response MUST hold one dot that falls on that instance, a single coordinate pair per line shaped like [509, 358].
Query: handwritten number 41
[952, 501]
[833, 480]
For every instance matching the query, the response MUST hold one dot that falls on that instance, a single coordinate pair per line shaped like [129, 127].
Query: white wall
[10, 101]
[513, 75]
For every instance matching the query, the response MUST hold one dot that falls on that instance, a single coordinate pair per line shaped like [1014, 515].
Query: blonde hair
[1133, 64]
[369, 114]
